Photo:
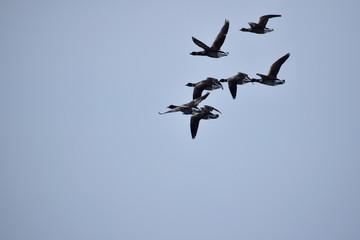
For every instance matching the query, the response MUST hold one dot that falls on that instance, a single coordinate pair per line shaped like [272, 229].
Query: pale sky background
[85, 154]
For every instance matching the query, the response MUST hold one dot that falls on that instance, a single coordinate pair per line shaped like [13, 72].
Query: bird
[271, 78]
[260, 27]
[238, 79]
[213, 51]
[187, 108]
[208, 84]
[205, 113]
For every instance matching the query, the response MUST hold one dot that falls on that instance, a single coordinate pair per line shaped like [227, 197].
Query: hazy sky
[84, 153]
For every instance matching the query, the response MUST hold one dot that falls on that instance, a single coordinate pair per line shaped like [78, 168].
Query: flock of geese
[214, 51]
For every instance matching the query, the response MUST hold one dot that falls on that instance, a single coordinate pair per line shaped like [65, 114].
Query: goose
[207, 84]
[238, 79]
[187, 108]
[213, 51]
[260, 27]
[205, 113]
[271, 78]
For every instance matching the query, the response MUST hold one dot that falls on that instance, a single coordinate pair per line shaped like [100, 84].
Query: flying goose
[238, 79]
[207, 84]
[213, 51]
[271, 78]
[260, 27]
[187, 108]
[205, 113]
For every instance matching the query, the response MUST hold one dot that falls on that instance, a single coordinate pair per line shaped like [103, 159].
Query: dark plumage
[271, 78]
[207, 84]
[205, 113]
[260, 27]
[238, 79]
[213, 51]
[187, 108]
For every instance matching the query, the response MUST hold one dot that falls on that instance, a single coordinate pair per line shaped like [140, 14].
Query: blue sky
[85, 154]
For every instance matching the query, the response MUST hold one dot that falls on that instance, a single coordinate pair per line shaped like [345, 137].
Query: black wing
[194, 124]
[232, 88]
[264, 19]
[219, 40]
[198, 89]
[200, 43]
[275, 67]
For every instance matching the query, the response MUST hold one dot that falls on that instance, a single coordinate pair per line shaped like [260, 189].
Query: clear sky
[84, 153]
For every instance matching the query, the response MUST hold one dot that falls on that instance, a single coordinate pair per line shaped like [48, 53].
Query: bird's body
[271, 78]
[207, 84]
[238, 79]
[260, 27]
[187, 108]
[266, 80]
[213, 51]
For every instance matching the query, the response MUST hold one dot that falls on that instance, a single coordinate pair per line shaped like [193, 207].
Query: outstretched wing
[232, 88]
[196, 101]
[194, 124]
[264, 19]
[198, 90]
[275, 67]
[200, 43]
[219, 40]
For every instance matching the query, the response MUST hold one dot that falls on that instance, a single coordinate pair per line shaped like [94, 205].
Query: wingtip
[193, 135]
